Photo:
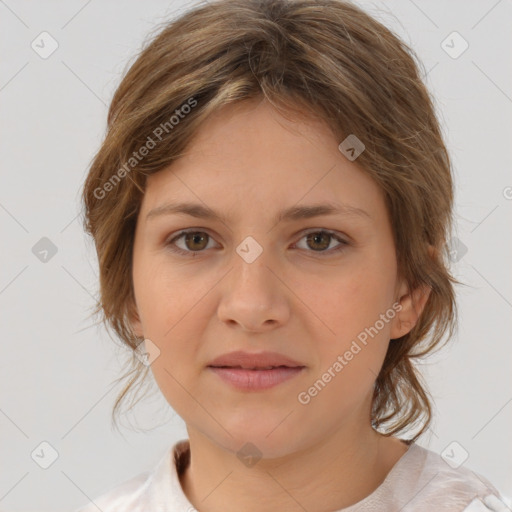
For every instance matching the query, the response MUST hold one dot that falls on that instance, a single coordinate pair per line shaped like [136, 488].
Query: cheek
[176, 370]
[172, 315]
[352, 301]
[162, 296]
[164, 311]
[357, 309]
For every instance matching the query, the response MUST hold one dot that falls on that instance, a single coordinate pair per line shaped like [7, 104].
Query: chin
[258, 439]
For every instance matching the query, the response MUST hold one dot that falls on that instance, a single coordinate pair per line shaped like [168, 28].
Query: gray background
[57, 371]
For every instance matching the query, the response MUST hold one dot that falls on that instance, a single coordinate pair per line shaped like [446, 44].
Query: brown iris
[321, 238]
[197, 238]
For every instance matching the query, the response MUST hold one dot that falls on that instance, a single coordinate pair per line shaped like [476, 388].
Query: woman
[270, 208]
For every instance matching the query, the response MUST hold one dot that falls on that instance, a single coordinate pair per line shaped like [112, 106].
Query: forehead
[248, 157]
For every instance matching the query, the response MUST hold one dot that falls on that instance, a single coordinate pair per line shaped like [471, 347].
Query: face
[305, 287]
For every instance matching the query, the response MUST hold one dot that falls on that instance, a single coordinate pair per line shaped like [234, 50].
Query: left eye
[197, 241]
[322, 240]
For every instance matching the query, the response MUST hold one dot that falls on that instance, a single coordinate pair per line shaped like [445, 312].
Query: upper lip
[254, 360]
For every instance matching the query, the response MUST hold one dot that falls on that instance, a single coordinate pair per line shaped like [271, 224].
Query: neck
[338, 471]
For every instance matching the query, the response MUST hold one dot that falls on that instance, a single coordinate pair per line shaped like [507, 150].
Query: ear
[135, 322]
[412, 304]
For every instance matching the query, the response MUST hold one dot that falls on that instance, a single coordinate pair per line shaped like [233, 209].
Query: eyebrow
[289, 214]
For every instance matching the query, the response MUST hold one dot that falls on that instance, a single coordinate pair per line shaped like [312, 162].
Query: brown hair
[324, 57]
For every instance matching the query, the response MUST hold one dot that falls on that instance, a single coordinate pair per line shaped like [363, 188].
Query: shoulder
[437, 484]
[148, 490]
[127, 496]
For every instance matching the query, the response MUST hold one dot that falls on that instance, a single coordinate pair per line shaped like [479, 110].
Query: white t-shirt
[420, 481]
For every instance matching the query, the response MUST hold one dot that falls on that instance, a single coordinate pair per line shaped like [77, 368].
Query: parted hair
[330, 60]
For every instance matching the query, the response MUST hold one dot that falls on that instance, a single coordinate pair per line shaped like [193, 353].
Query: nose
[253, 298]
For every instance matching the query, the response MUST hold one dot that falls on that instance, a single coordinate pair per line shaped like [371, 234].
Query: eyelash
[172, 247]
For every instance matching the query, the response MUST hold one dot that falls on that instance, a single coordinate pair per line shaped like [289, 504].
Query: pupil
[316, 237]
[196, 239]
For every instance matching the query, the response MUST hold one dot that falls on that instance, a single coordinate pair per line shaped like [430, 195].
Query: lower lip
[256, 380]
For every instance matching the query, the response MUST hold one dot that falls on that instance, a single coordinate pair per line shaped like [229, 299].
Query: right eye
[191, 242]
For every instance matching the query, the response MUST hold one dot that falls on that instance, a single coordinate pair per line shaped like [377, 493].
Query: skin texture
[299, 298]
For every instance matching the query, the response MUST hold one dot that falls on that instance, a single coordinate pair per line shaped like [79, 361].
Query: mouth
[245, 371]
[254, 379]
[254, 368]
[254, 361]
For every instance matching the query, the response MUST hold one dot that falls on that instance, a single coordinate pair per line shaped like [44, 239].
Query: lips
[246, 380]
[255, 372]
[254, 361]
[253, 367]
